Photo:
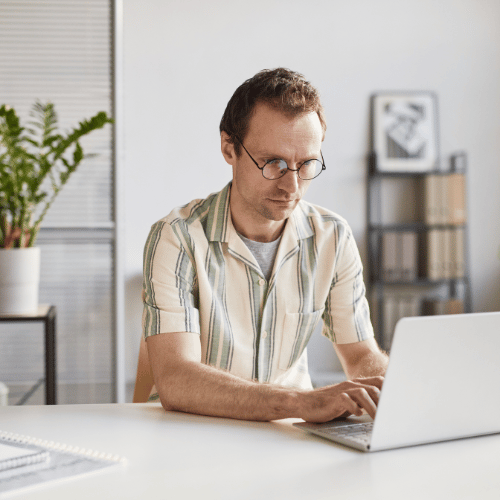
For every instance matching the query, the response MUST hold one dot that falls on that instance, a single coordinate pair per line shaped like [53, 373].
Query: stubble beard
[275, 214]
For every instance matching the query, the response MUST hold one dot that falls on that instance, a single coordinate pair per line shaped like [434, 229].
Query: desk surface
[178, 456]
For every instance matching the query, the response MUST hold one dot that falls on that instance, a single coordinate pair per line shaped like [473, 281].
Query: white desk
[178, 456]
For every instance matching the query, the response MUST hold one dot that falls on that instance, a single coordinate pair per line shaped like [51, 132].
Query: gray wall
[183, 60]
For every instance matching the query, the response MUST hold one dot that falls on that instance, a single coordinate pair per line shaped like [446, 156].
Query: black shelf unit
[376, 227]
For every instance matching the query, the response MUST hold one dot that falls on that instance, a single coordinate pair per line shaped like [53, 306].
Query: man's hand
[341, 400]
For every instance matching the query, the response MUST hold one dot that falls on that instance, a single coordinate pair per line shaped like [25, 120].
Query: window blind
[61, 51]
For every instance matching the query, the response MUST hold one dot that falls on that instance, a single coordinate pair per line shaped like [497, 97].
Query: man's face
[271, 135]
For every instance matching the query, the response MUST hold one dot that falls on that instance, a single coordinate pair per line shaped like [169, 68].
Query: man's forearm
[372, 364]
[186, 384]
[202, 389]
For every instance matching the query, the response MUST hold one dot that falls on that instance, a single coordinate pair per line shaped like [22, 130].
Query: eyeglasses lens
[277, 168]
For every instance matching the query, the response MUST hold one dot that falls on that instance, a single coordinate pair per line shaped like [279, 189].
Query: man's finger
[376, 381]
[373, 392]
[363, 399]
[351, 405]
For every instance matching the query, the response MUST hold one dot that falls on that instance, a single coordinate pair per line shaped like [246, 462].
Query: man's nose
[289, 182]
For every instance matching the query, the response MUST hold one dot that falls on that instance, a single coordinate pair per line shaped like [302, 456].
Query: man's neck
[263, 233]
[256, 227]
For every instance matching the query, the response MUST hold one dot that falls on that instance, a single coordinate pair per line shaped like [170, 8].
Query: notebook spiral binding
[25, 460]
[59, 447]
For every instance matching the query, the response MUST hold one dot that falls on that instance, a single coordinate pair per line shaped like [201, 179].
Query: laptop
[442, 383]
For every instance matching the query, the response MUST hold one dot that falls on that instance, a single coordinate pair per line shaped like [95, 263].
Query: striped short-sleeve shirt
[200, 277]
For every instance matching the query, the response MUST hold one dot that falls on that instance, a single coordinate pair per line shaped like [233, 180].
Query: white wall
[184, 59]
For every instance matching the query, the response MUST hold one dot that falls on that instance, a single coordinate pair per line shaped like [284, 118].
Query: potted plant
[35, 163]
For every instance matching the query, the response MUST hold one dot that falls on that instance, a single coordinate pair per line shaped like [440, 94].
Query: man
[234, 285]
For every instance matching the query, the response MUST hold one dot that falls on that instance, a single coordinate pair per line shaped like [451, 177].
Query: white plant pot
[19, 280]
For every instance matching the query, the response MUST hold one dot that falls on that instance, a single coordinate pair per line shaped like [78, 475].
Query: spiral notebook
[15, 455]
[27, 462]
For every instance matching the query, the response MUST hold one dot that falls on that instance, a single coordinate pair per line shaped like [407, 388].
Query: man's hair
[281, 88]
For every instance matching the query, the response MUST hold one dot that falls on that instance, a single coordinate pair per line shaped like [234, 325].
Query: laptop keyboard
[359, 433]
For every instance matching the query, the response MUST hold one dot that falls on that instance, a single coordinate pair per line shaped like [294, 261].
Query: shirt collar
[221, 226]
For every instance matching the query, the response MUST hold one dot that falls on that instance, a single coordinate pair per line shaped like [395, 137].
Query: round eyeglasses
[277, 168]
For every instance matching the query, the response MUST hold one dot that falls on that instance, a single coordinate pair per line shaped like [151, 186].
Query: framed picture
[405, 131]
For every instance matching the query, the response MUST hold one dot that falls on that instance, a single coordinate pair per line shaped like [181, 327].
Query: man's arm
[362, 359]
[186, 384]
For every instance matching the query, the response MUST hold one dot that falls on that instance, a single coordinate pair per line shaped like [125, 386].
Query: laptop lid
[442, 382]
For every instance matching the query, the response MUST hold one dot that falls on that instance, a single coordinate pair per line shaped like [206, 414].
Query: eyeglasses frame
[323, 166]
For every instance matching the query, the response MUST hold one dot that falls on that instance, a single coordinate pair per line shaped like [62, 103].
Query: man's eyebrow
[267, 154]
[270, 155]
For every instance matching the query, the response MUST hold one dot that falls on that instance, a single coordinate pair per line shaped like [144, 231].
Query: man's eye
[274, 161]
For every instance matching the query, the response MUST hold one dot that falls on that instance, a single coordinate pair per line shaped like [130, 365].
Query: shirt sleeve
[169, 282]
[347, 316]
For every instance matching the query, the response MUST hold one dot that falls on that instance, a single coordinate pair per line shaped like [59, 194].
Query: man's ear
[227, 148]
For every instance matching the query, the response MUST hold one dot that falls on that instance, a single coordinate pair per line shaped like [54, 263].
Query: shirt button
[264, 335]
[261, 281]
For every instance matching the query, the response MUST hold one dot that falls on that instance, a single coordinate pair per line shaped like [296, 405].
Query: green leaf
[28, 157]
[50, 139]
[77, 154]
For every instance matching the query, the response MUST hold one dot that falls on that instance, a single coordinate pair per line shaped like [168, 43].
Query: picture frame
[405, 136]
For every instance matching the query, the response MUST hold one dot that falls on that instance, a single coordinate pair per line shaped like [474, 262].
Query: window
[62, 51]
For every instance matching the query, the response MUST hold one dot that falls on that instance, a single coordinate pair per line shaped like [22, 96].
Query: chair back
[144, 379]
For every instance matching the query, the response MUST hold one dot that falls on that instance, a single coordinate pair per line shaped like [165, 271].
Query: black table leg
[50, 357]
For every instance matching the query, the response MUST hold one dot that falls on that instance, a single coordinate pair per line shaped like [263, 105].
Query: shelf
[406, 174]
[416, 174]
[419, 227]
[419, 282]
[412, 248]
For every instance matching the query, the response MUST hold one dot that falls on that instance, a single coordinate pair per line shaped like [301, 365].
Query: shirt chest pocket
[297, 330]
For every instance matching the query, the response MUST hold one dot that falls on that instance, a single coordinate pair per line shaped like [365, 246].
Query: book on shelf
[458, 253]
[456, 198]
[432, 307]
[433, 254]
[446, 253]
[408, 259]
[443, 253]
[399, 256]
[432, 197]
[444, 199]
[395, 307]
[402, 305]
[390, 312]
[389, 256]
